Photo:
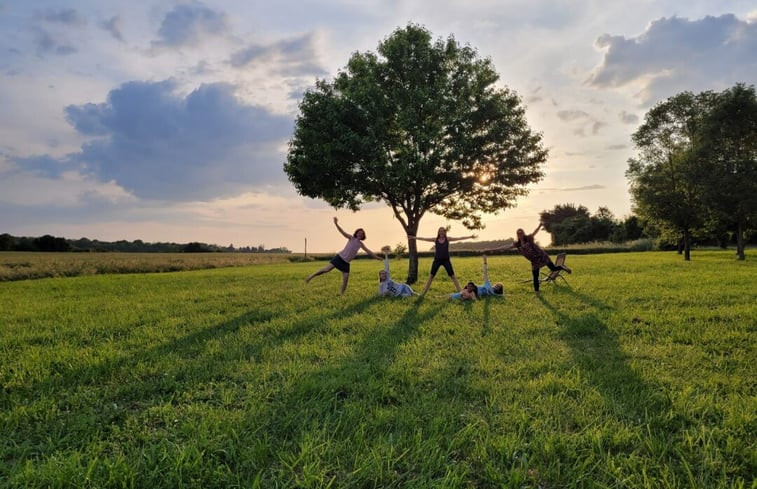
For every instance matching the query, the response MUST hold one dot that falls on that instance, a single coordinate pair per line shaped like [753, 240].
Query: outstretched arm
[502, 248]
[421, 239]
[344, 233]
[472, 236]
[365, 248]
[537, 229]
[486, 271]
[386, 266]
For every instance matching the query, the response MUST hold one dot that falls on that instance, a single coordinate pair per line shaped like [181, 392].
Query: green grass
[639, 374]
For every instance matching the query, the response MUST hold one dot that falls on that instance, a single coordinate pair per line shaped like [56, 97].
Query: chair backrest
[559, 261]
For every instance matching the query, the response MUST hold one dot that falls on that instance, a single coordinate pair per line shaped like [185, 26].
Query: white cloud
[676, 54]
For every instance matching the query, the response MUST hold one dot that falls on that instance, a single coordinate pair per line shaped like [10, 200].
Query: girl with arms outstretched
[531, 251]
[441, 256]
[342, 260]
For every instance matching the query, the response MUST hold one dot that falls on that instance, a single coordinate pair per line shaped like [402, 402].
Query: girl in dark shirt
[441, 256]
[531, 251]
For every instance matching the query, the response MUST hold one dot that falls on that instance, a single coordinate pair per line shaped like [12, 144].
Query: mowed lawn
[641, 373]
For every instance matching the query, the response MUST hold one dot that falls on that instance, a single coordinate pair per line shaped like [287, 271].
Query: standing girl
[531, 251]
[441, 256]
[342, 260]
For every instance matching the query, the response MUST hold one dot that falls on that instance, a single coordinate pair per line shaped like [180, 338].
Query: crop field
[641, 372]
[31, 265]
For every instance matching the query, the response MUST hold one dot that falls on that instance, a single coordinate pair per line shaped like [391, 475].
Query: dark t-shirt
[441, 250]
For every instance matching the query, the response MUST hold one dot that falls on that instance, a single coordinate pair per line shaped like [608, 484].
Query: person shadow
[597, 351]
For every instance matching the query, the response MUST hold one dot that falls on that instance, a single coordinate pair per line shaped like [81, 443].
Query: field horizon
[638, 373]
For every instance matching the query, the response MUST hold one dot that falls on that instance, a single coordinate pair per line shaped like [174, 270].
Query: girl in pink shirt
[342, 260]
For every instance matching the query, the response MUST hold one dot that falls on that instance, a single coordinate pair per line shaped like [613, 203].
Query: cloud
[616, 147]
[294, 57]
[572, 115]
[676, 54]
[47, 44]
[627, 118]
[160, 145]
[69, 17]
[188, 24]
[113, 26]
[596, 126]
[574, 189]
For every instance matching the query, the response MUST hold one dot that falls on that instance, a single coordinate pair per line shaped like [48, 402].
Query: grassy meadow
[641, 373]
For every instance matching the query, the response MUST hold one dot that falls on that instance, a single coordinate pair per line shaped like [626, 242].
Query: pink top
[349, 251]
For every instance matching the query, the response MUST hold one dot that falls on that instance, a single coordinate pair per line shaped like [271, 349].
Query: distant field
[28, 265]
[642, 373]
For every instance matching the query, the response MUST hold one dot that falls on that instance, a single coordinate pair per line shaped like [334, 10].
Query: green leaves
[417, 125]
[697, 161]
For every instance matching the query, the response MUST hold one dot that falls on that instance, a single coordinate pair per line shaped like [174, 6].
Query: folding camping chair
[553, 276]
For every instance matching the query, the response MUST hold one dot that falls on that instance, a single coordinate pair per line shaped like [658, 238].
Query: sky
[169, 121]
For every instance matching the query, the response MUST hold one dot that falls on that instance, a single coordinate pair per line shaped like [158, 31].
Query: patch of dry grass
[32, 265]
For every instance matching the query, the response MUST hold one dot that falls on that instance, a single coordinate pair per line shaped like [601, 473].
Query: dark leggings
[535, 271]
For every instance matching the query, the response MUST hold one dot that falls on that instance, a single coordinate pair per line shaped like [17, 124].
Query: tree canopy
[727, 144]
[420, 125]
[697, 164]
[661, 176]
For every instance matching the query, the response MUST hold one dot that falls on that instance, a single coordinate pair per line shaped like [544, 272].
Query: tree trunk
[412, 249]
[686, 245]
[740, 241]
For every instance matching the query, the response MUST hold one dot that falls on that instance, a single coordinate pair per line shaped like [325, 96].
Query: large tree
[420, 125]
[663, 183]
[727, 150]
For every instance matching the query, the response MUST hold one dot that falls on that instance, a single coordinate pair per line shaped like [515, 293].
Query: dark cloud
[113, 26]
[596, 126]
[69, 17]
[627, 118]
[293, 57]
[45, 43]
[44, 165]
[159, 145]
[572, 115]
[188, 24]
[676, 54]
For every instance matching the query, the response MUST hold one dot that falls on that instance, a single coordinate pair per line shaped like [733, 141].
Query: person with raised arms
[441, 256]
[533, 253]
[342, 260]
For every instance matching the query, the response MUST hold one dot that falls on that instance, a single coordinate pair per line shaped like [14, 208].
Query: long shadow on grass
[337, 403]
[598, 353]
[166, 372]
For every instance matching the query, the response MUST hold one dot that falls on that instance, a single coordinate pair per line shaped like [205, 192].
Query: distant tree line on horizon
[570, 224]
[53, 243]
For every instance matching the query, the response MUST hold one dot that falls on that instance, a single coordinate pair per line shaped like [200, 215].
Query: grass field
[642, 373]
[31, 265]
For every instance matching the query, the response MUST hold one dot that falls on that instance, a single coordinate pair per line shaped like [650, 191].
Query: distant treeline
[53, 243]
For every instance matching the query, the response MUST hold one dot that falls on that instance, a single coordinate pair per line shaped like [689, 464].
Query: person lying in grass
[471, 291]
[388, 287]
